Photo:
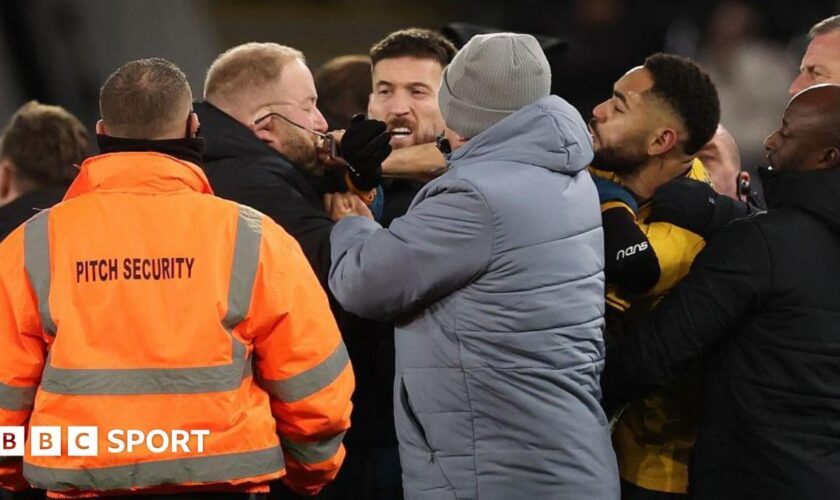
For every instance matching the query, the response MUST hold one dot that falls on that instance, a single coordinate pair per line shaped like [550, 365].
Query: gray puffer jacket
[495, 277]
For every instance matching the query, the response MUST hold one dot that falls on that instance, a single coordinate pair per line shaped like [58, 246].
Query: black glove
[365, 146]
[630, 261]
[695, 206]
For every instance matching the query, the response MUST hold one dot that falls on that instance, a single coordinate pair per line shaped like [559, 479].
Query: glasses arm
[298, 125]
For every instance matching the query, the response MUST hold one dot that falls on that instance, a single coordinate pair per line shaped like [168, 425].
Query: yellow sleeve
[676, 249]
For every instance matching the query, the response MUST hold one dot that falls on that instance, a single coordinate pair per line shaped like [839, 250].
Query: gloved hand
[695, 206]
[630, 261]
[364, 146]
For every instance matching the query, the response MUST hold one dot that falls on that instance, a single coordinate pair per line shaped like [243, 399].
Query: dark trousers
[630, 491]
[30, 494]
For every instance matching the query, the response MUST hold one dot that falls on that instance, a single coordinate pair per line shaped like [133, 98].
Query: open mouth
[400, 132]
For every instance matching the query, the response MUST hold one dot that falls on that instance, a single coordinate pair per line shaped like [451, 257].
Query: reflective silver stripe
[36, 251]
[246, 257]
[312, 380]
[203, 469]
[205, 379]
[16, 398]
[109, 381]
[314, 452]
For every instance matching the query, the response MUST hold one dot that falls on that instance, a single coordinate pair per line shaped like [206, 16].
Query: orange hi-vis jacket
[144, 303]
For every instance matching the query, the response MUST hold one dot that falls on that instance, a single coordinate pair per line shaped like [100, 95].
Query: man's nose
[400, 104]
[599, 113]
[799, 84]
[320, 123]
[770, 141]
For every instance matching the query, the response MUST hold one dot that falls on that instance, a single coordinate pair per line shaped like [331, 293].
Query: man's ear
[100, 128]
[195, 125]
[263, 129]
[830, 159]
[663, 142]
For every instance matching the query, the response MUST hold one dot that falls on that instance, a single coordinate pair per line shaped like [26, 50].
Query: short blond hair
[243, 70]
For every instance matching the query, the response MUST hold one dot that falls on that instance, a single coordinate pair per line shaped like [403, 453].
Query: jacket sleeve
[729, 279]
[439, 246]
[301, 361]
[675, 249]
[22, 349]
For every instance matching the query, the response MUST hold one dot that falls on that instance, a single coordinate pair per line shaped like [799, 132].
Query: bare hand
[341, 205]
[423, 162]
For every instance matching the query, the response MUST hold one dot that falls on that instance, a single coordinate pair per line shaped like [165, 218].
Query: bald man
[722, 160]
[764, 326]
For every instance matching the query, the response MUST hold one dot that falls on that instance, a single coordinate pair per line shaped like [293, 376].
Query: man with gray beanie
[495, 280]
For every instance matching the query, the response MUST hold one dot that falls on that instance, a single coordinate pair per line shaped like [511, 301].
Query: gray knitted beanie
[490, 78]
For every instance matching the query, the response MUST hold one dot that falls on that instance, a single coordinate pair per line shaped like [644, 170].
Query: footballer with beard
[645, 135]
[407, 70]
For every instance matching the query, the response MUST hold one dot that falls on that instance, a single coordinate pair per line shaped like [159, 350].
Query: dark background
[60, 51]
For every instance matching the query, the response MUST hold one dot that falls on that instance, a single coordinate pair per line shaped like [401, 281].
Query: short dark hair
[144, 98]
[414, 42]
[826, 26]
[690, 93]
[44, 143]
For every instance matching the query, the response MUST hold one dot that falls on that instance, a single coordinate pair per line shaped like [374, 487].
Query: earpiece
[743, 184]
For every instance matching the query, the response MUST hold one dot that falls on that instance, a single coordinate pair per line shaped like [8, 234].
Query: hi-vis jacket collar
[138, 172]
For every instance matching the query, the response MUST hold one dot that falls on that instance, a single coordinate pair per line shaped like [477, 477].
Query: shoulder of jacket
[257, 170]
[253, 223]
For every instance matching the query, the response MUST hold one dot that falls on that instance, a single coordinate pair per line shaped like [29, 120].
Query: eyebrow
[409, 84]
[622, 97]
[419, 84]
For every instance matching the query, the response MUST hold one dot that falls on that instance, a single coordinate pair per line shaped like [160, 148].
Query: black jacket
[242, 168]
[25, 206]
[761, 310]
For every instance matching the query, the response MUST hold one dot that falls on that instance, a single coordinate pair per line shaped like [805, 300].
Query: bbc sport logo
[83, 441]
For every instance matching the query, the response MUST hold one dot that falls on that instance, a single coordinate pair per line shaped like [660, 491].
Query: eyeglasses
[329, 141]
